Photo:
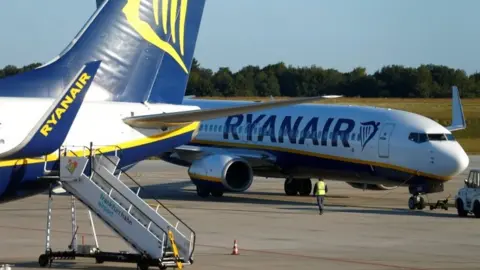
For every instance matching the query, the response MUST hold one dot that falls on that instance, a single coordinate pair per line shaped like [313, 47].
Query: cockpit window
[437, 137]
[418, 137]
[450, 137]
[423, 137]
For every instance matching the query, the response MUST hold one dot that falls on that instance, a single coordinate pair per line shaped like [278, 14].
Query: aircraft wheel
[43, 260]
[142, 265]
[460, 210]
[290, 187]
[476, 209]
[203, 192]
[305, 187]
[217, 193]
[411, 203]
[421, 203]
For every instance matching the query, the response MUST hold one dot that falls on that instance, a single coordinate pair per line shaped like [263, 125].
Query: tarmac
[359, 229]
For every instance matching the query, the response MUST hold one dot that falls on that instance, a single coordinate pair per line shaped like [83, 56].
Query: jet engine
[225, 172]
[371, 186]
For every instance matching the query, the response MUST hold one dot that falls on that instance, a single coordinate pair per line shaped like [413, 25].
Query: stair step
[49, 177]
[113, 208]
[53, 173]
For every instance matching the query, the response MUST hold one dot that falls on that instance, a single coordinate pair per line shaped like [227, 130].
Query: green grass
[439, 110]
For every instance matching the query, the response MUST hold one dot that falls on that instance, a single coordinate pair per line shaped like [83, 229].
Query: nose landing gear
[416, 202]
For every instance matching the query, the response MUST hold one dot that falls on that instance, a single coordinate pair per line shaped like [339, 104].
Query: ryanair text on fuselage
[335, 132]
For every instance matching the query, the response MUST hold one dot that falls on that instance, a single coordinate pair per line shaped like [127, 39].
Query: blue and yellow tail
[142, 44]
[52, 129]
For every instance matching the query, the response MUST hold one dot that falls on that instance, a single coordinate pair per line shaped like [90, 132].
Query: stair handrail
[169, 211]
[118, 191]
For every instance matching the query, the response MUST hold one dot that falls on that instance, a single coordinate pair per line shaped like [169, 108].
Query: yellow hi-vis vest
[320, 188]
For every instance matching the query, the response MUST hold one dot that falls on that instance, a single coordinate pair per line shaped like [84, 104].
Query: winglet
[458, 118]
[52, 129]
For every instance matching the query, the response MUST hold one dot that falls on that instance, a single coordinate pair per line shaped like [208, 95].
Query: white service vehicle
[467, 199]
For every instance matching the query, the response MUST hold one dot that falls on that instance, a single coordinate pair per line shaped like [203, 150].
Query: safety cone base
[235, 248]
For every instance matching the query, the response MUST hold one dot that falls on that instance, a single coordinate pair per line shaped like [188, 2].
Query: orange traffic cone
[235, 248]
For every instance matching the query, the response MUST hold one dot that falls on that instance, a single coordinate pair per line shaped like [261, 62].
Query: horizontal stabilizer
[185, 117]
[52, 129]
[458, 117]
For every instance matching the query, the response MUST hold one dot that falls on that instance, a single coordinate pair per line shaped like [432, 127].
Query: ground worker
[319, 191]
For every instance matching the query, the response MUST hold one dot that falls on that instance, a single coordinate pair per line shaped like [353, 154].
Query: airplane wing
[185, 117]
[52, 129]
[186, 154]
[458, 117]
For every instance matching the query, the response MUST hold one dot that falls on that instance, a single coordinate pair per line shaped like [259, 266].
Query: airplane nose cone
[463, 161]
[457, 161]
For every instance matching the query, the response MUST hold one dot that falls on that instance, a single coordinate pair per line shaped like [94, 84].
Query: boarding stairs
[95, 181]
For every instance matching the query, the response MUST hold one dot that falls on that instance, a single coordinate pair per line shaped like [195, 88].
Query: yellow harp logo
[132, 13]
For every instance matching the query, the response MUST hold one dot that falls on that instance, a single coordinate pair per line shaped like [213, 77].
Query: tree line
[425, 81]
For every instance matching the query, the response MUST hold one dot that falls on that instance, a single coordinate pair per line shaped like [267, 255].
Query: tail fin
[458, 117]
[50, 132]
[141, 43]
[99, 3]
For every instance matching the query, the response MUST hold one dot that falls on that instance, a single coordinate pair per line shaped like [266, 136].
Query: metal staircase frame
[143, 261]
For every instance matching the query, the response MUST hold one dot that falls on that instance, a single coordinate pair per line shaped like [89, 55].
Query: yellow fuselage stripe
[305, 153]
[192, 127]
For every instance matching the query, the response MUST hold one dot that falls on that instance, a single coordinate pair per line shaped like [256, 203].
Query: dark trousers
[320, 202]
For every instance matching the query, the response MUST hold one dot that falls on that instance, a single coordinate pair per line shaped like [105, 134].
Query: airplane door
[384, 140]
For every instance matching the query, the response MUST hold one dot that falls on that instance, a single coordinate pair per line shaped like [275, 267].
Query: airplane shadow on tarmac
[380, 211]
[184, 191]
[177, 192]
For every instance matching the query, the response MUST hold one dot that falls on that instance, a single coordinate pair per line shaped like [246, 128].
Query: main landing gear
[416, 202]
[204, 192]
[302, 186]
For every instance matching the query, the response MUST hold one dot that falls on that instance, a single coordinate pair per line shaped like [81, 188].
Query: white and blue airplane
[367, 147]
[126, 49]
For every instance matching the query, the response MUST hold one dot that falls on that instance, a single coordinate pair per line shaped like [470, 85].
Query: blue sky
[340, 34]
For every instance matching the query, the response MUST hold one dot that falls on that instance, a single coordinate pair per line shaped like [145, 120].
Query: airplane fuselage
[339, 142]
[99, 123]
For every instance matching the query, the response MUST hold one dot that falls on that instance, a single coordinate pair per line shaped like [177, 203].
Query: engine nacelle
[371, 186]
[225, 172]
